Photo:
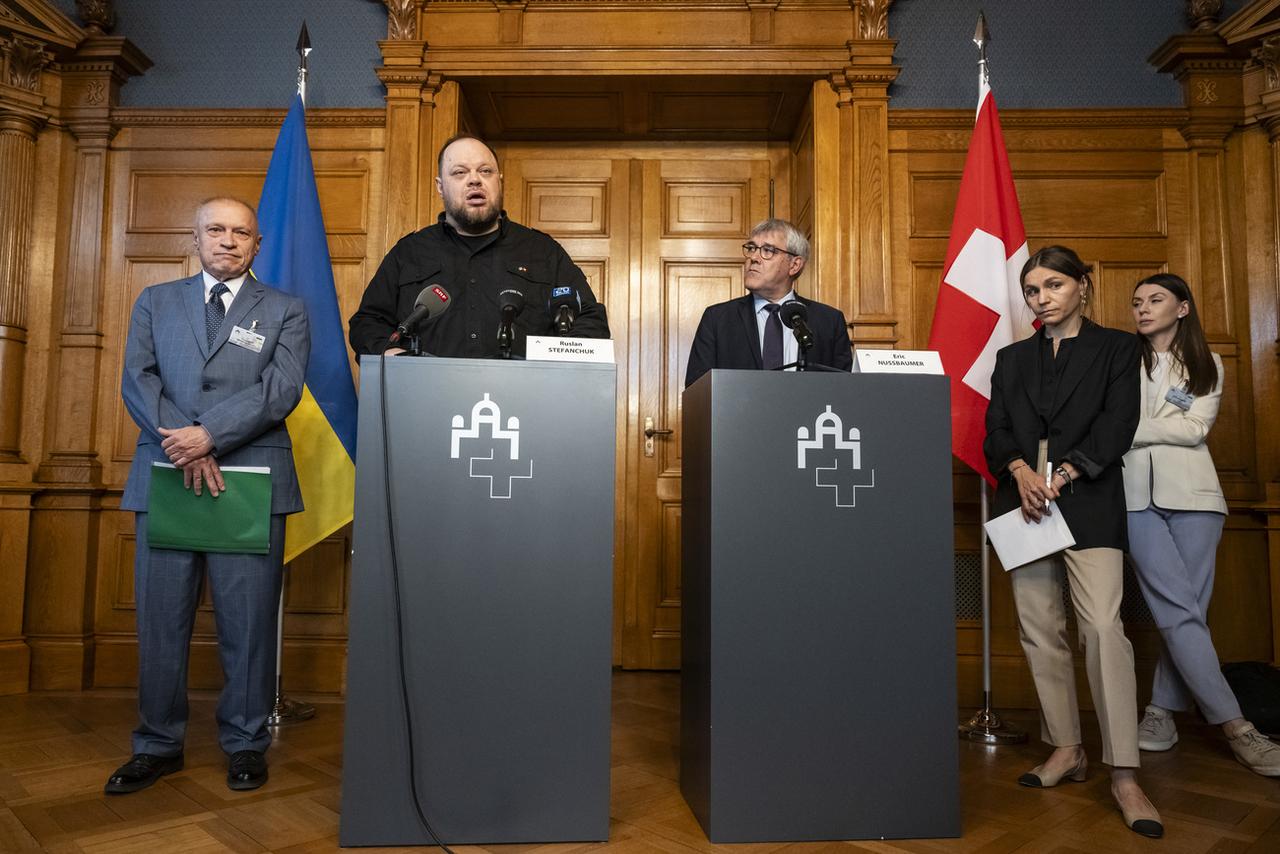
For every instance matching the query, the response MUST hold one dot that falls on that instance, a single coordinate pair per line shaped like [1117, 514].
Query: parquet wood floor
[56, 751]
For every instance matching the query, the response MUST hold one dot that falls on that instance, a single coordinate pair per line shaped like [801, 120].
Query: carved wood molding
[316, 117]
[962, 119]
[1203, 15]
[99, 16]
[402, 20]
[42, 22]
[1267, 55]
[873, 19]
[646, 4]
[494, 61]
[23, 60]
[91, 84]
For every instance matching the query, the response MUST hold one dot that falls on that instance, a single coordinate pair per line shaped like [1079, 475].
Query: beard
[475, 220]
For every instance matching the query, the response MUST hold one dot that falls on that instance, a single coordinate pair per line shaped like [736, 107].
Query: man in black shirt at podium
[476, 253]
[747, 332]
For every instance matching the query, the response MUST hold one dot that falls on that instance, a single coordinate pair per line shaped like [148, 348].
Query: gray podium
[818, 676]
[502, 481]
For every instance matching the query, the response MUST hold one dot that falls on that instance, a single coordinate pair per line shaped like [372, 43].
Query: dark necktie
[215, 311]
[772, 338]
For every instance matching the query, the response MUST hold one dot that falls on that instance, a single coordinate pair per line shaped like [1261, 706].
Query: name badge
[550, 348]
[1180, 398]
[868, 361]
[247, 339]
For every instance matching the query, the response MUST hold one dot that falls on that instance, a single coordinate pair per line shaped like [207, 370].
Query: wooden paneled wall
[1113, 185]
[162, 165]
[95, 203]
[1117, 186]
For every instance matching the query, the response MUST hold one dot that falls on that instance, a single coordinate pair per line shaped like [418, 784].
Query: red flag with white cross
[980, 307]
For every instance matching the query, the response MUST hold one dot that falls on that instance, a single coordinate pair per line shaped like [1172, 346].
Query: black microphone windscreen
[564, 295]
[792, 311]
[512, 299]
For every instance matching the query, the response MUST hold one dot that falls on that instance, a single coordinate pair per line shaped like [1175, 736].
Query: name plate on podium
[549, 348]
[897, 362]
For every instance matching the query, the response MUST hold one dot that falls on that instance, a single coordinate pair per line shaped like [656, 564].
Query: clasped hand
[190, 449]
[183, 445]
[1034, 492]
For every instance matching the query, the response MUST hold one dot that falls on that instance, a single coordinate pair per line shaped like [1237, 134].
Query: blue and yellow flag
[295, 259]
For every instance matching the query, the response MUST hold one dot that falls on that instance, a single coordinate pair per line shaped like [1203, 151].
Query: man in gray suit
[213, 364]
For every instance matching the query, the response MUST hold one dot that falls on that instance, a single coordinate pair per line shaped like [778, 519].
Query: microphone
[795, 316]
[564, 306]
[511, 303]
[432, 301]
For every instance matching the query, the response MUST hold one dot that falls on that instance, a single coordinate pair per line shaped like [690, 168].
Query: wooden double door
[658, 231]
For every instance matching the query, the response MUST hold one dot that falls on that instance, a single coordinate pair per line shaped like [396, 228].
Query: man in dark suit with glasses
[748, 333]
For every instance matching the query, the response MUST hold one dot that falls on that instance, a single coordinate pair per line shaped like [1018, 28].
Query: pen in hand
[1048, 483]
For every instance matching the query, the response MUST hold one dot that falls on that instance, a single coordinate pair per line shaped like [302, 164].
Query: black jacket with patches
[474, 270]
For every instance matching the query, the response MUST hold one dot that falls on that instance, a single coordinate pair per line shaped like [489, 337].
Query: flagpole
[986, 726]
[287, 711]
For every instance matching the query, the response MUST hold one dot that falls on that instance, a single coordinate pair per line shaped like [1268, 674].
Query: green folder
[237, 521]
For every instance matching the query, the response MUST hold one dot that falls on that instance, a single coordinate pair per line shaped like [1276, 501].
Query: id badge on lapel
[1180, 398]
[247, 338]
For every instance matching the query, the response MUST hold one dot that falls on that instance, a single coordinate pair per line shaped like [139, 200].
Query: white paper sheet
[1018, 542]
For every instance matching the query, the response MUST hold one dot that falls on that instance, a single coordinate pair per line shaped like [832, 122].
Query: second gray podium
[818, 625]
[500, 479]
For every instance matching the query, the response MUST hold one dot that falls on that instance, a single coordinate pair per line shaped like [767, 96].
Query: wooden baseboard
[15, 666]
[60, 663]
[1012, 688]
[310, 666]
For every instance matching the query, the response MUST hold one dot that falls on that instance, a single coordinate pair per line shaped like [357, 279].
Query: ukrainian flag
[295, 259]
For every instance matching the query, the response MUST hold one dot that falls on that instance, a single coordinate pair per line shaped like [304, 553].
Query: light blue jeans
[1173, 553]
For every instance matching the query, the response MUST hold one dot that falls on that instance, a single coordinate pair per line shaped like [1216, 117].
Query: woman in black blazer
[1064, 408]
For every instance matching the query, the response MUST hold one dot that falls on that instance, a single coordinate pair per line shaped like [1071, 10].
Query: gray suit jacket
[173, 378]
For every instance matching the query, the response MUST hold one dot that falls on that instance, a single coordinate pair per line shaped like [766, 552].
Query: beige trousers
[1096, 580]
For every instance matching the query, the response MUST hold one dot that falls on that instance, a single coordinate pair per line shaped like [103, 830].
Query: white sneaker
[1157, 731]
[1256, 752]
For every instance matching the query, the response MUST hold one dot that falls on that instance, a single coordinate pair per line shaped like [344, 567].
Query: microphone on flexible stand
[564, 307]
[510, 303]
[432, 301]
[795, 316]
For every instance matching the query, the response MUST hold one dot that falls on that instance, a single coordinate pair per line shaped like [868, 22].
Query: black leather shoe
[247, 769]
[141, 771]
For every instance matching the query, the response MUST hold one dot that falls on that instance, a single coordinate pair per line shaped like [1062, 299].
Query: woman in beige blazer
[1176, 512]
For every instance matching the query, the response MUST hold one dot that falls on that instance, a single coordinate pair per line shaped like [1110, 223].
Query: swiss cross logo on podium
[836, 460]
[496, 456]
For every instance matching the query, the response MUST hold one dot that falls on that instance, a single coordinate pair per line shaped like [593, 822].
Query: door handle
[649, 432]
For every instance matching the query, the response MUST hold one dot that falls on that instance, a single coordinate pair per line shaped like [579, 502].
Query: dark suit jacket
[1095, 414]
[173, 378]
[729, 337]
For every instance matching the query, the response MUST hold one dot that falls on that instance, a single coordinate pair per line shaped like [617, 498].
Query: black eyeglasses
[766, 251]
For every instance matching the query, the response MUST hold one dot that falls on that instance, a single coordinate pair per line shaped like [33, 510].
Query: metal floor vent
[968, 582]
[968, 574]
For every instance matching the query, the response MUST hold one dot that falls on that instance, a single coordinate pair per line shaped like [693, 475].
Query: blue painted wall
[1043, 53]
[240, 53]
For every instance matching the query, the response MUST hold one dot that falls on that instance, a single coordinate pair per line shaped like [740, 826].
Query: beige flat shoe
[1037, 778]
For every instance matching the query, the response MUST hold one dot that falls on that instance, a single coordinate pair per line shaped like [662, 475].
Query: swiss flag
[980, 307]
